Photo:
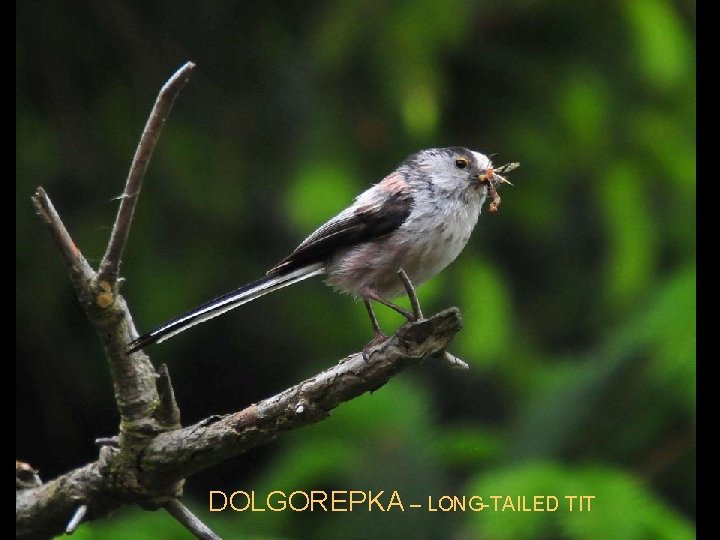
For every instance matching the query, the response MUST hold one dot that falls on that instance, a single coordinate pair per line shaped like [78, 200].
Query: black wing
[377, 212]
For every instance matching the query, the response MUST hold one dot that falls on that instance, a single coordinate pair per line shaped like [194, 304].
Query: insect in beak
[492, 177]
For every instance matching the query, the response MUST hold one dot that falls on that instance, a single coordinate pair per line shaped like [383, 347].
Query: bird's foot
[377, 340]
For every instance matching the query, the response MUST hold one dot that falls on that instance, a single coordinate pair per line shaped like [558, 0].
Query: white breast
[431, 238]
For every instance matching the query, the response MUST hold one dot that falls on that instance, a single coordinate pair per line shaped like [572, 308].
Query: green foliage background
[578, 297]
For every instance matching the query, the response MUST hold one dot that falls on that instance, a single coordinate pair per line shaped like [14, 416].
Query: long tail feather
[224, 303]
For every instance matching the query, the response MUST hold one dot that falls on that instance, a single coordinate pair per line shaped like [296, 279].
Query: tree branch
[76, 519]
[143, 411]
[150, 459]
[80, 271]
[110, 265]
[134, 380]
[189, 520]
[44, 511]
[174, 455]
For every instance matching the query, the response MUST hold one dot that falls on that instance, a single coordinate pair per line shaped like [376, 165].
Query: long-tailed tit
[408, 227]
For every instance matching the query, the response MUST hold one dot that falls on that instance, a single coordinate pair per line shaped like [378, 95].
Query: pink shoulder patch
[393, 183]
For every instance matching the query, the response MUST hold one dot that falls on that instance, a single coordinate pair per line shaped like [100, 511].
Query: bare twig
[134, 380]
[189, 520]
[113, 441]
[454, 361]
[110, 265]
[168, 411]
[80, 271]
[76, 519]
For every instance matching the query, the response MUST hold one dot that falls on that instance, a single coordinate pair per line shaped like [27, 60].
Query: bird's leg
[410, 290]
[412, 316]
[372, 295]
[451, 359]
[379, 336]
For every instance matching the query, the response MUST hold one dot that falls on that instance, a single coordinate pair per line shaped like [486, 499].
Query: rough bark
[169, 457]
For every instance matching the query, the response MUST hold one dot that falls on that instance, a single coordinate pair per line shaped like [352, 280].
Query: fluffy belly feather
[372, 266]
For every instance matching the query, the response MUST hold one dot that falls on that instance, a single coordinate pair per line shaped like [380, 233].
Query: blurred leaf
[630, 241]
[568, 392]
[584, 106]
[467, 446]
[339, 27]
[663, 47]
[528, 481]
[671, 326]
[486, 314]
[421, 110]
[672, 145]
[622, 507]
[561, 399]
[320, 190]
[412, 50]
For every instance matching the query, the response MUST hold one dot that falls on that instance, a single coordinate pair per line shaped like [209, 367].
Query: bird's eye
[461, 163]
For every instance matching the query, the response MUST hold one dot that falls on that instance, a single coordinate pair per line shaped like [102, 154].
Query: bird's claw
[377, 340]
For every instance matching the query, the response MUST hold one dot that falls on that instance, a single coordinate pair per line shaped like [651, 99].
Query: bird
[397, 234]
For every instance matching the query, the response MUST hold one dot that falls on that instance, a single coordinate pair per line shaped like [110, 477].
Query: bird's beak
[482, 176]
